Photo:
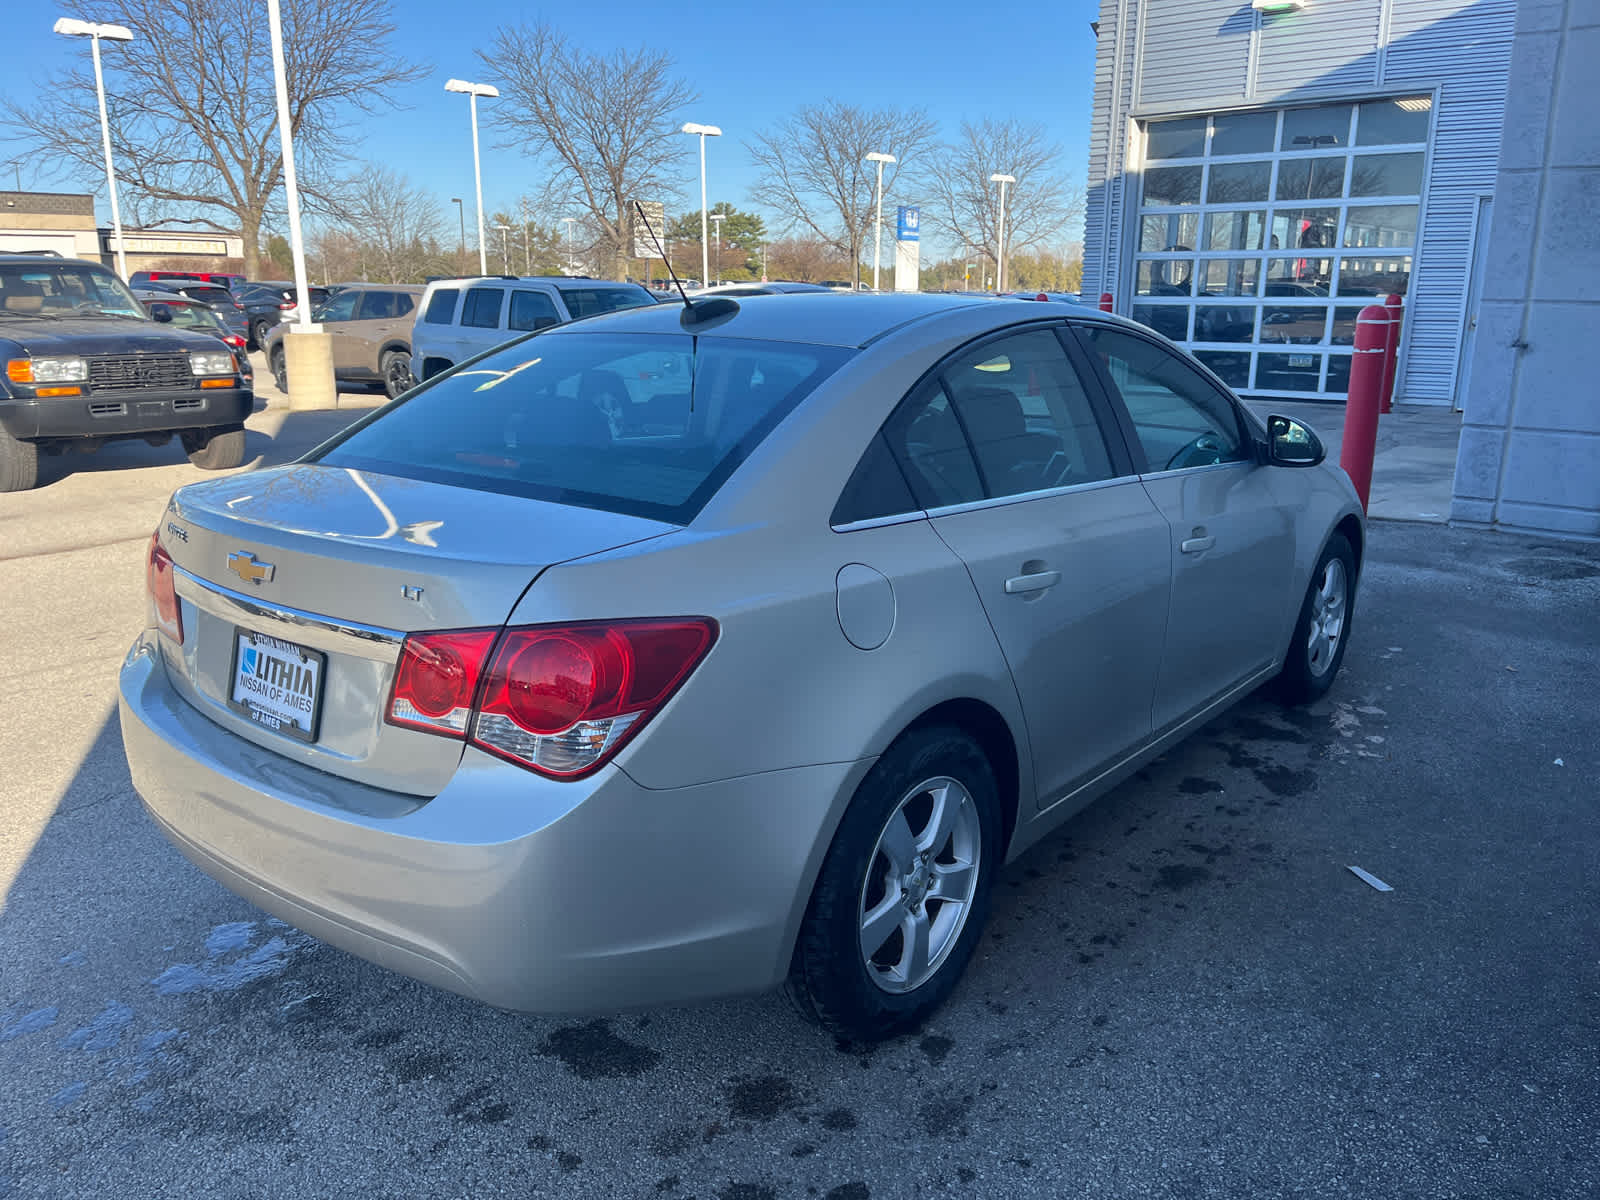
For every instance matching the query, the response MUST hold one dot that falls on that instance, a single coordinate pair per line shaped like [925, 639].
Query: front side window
[649, 425]
[532, 310]
[1181, 419]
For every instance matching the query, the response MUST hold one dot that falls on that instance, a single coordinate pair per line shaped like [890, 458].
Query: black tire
[214, 449]
[280, 369]
[19, 464]
[395, 367]
[1312, 663]
[258, 334]
[831, 979]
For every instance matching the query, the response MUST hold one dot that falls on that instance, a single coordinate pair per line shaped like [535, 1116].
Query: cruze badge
[248, 567]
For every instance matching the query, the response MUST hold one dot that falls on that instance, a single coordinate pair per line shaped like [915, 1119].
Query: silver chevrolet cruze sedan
[697, 650]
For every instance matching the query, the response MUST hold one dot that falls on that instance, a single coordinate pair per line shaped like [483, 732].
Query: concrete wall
[1530, 440]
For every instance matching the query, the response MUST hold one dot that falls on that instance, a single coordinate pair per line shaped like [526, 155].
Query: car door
[1006, 449]
[482, 322]
[376, 318]
[1232, 531]
[336, 317]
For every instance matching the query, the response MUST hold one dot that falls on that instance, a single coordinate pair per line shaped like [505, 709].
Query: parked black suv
[85, 365]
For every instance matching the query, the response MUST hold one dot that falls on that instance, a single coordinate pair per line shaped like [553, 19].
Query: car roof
[414, 288]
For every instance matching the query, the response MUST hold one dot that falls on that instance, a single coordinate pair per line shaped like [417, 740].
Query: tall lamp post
[719, 218]
[95, 32]
[1000, 236]
[461, 220]
[704, 131]
[569, 222]
[505, 247]
[877, 234]
[473, 91]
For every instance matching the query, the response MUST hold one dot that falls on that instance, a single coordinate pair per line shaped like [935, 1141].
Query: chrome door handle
[1036, 582]
[1195, 545]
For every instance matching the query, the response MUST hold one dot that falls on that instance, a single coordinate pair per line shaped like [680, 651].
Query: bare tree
[397, 222]
[964, 206]
[805, 260]
[195, 124]
[606, 125]
[814, 168]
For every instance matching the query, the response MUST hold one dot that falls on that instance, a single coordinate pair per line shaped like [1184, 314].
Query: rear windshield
[650, 425]
[593, 299]
[209, 293]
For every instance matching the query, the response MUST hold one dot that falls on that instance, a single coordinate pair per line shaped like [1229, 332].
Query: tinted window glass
[208, 294]
[1237, 183]
[342, 307]
[592, 300]
[1308, 128]
[646, 424]
[1224, 323]
[441, 307]
[404, 302]
[1310, 178]
[1026, 415]
[1234, 230]
[377, 305]
[1170, 320]
[1243, 133]
[1386, 175]
[192, 316]
[481, 309]
[1172, 185]
[1176, 139]
[1169, 231]
[1180, 418]
[532, 310]
[1387, 122]
[926, 439]
[876, 488]
[1381, 225]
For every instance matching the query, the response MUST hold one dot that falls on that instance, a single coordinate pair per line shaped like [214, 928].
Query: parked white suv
[459, 318]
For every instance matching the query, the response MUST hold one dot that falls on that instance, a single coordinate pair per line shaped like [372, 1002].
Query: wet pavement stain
[593, 1051]
[1195, 786]
[839, 1120]
[1177, 876]
[425, 1064]
[762, 1098]
[945, 1116]
[856, 1189]
[937, 1048]
[1285, 781]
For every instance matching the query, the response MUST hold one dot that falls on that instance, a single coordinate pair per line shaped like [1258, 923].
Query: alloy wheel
[1328, 606]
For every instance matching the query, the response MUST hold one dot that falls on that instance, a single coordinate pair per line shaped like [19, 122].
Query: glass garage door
[1263, 234]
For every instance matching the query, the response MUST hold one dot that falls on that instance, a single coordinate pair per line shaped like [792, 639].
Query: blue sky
[751, 66]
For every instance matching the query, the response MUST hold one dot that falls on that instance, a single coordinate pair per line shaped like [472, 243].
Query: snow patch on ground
[104, 1032]
[39, 1018]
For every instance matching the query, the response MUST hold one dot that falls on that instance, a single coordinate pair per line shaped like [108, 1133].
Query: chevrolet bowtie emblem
[247, 566]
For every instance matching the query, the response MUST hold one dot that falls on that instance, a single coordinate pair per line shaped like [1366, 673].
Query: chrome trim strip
[323, 633]
[1237, 462]
[881, 522]
[1023, 497]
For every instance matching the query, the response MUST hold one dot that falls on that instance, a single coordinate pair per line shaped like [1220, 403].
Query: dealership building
[1260, 170]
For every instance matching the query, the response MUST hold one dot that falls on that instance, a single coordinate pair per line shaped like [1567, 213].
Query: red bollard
[1360, 442]
[1105, 302]
[1391, 351]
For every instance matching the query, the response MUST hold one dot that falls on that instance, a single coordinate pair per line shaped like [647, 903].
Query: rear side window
[441, 307]
[532, 310]
[481, 309]
[592, 300]
[645, 424]
[404, 302]
[377, 305]
[876, 488]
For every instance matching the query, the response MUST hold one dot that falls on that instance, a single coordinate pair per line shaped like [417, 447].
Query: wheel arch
[1354, 533]
[394, 346]
[989, 729]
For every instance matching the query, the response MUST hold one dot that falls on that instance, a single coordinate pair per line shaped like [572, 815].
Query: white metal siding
[1193, 50]
[1321, 49]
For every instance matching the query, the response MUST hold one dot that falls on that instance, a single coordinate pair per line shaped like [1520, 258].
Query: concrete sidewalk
[1415, 465]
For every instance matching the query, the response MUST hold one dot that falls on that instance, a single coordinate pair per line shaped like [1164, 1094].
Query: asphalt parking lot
[1184, 993]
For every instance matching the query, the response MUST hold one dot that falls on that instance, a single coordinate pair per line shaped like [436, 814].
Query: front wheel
[280, 369]
[19, 464]
[904, 890]
[397, 377]
[214, 450]
[1320, 635]
[258, 334]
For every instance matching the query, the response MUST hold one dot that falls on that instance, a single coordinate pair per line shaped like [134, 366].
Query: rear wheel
[1323, 630]
[214, 449]
[258, 334]
[19, 464]
[396, 369]
[280, 369]
[904, 890]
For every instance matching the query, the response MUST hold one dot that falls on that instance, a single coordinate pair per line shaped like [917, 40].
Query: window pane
[1297, 324]
[1230, 366]
[1288, 372]
[404, 302]
[926, 440]
[532, 310]
[1243, 133]
[441, 307]
[1238, 183]
[1302, 228]
[1176, 139]
[341, 308]
[1307, 128]
[593, 299]
[1391, 122]
[377, 306]
[1344, 325]
[482, 308]
[1374, 276]
[1310, 178]
[1235, 230]
[1338, 373]
[1229, 276]
[1224, 323]
[1168, 231]
[1169, 320]
[1180, 418]
[876, 488]
[1381, 225]
[1386, 175]
[1172, 185]
[1164, 277]
[1026, 415]
[1299, 278]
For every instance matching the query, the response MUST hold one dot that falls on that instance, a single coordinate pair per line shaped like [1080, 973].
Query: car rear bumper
[124, 414]
[522, 892]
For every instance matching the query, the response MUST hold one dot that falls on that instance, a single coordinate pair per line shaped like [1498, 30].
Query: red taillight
[436, 679]
[557, 699]
[158, 580]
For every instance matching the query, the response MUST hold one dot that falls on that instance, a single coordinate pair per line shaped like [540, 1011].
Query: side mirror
[161, 312]
[1291, 444]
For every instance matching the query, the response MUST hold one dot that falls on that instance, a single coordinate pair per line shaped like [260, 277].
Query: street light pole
[877, 228]
[704, 131]
[473, 91]
[461, 220]
[505, 247]
[1000, 236]
[719, 218]
[94, 31]
[569, 222]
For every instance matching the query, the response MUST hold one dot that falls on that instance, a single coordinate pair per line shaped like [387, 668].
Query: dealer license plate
[1301, 360]
[277, 684]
